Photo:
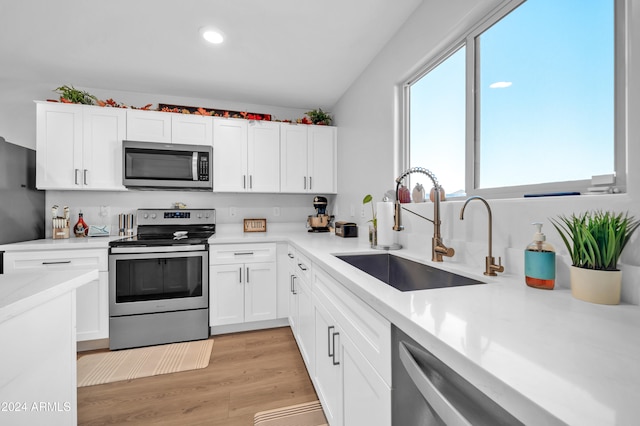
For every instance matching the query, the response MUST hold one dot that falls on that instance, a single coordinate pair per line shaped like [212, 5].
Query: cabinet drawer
[225, 254]
[303, 267]
[369, 331]
[55, 259]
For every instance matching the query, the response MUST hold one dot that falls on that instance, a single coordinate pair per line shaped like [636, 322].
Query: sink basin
[404, 274]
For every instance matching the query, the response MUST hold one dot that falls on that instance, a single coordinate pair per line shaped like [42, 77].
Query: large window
[523, 103]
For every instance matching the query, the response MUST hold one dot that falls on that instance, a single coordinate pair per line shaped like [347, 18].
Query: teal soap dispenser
[540, 262]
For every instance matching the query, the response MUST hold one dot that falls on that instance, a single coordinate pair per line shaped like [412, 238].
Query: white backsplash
[291, 207]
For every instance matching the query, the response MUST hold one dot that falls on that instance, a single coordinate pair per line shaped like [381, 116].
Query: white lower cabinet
[242, 283]
[306, 323]
[92, 299]
[351, 390]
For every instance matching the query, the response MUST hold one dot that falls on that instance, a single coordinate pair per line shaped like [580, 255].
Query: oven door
[142, 283]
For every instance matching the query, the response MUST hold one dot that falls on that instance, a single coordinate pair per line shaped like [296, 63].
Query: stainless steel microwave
[152, 165]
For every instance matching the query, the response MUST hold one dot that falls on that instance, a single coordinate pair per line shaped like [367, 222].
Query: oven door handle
[159, 249]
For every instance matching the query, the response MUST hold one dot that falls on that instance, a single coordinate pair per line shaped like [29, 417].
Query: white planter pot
[596, 286]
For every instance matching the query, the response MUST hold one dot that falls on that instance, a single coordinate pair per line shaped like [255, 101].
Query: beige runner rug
[107, 367]
[307, 414]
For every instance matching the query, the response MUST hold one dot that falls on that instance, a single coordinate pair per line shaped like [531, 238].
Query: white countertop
[525, 348]
[24, 291]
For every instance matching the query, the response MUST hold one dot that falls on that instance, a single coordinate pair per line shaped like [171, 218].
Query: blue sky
[554, 122]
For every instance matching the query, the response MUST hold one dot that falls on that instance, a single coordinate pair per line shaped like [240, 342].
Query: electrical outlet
[276, 211]
[233, 211]
[104, 211]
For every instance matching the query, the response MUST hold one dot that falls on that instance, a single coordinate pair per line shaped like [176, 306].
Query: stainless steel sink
[404, 274]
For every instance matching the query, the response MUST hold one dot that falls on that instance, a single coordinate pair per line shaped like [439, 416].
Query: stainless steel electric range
[159, 279]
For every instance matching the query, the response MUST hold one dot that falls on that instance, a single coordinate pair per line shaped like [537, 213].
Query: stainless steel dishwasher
[428, 392]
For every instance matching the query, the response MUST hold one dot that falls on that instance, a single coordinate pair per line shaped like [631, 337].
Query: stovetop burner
[157, 227]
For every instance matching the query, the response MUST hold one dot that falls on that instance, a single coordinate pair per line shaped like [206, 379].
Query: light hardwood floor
[248, 372]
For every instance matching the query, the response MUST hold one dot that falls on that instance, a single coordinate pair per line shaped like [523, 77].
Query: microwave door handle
[194, 166]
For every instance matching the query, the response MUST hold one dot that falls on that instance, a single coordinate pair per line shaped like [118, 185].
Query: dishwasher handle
[440, 404]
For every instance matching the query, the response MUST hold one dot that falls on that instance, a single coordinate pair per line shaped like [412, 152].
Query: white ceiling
[293, 53]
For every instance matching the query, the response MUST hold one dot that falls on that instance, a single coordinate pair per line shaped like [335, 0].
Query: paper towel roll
[385, 223]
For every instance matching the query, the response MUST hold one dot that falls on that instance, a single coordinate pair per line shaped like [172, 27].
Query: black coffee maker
[320, 222]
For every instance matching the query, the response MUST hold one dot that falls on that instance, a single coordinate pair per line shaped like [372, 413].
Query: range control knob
[153, 215]
[146, 215]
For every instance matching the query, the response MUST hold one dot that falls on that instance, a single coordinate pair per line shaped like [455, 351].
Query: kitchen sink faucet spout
[438, 249]
[490, 267]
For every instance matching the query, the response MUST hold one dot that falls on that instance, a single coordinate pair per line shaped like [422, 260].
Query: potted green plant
[595, 241]
[70, 94]
[318, 116]
[373, 230]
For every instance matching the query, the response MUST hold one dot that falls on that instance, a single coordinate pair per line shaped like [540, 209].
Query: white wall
[367, 116]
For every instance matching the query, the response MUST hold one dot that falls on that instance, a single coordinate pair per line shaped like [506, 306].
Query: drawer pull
[58, 262]
[290, 255]
[302, 266]
[243, 253]
[293, 284]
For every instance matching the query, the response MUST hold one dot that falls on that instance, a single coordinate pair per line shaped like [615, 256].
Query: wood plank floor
[248, 372]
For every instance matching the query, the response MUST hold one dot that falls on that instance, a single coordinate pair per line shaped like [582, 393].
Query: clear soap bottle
[540, 261]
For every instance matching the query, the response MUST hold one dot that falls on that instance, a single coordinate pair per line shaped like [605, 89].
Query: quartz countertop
[545, 356]
[24, 291]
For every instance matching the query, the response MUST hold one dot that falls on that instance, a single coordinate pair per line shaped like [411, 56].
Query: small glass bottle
[540, 262]
[80, 229]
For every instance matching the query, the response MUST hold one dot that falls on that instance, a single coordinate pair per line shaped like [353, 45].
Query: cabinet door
[306, 324]
[328, 372]
[293, 155]
[229, 155]
[191, 129]
[260, 292]
[92, 301]
[148, 126]
[263, 156]
[366, 398]
[104, 130]
[322, 159]
[58, 146]
[226, 294]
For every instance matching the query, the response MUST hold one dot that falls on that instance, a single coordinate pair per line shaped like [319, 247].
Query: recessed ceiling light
[500, 84]
[212, 35]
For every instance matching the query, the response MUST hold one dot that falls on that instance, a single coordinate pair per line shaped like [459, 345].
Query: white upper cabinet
[246, 155]
[79, 147]
[148, 126]
[263, 156]
[308, 156]
[230, 155]
[191, 129]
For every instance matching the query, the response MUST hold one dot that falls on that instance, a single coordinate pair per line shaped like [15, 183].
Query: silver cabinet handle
[310, 185]
[250, 181]
[59, 262]
[84, 177]
[242, 253]
[333, 355]
[293, 284]
[305, 182]
[240, 275]
[76, 176]
[290, 255]
[440, 404]
[302, 266]
[247, 274]
[244, 181]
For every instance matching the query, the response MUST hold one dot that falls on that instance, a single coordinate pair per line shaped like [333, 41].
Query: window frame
[468, 39]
